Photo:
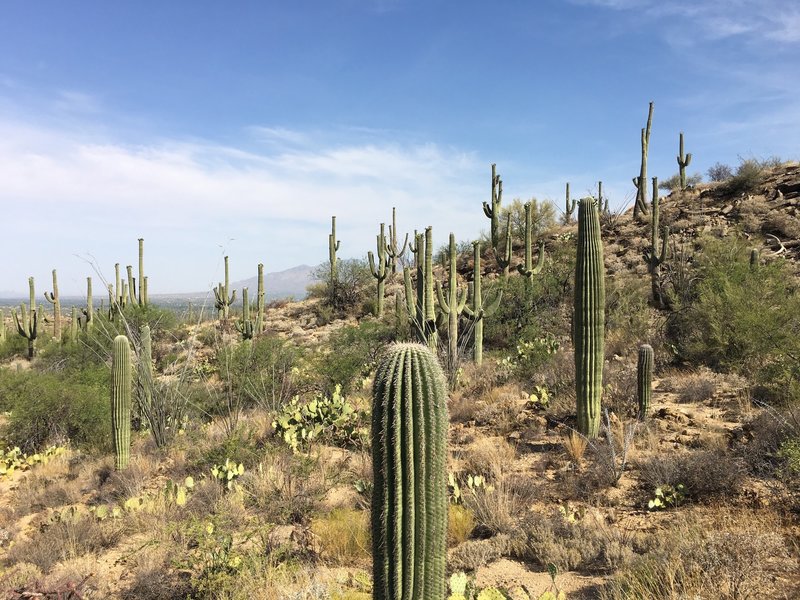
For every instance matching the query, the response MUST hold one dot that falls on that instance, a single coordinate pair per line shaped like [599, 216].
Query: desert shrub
[474, 554]
[460, 524]
[15, 345]
[347, 295]
[499, 509]
[749, 174]
[719, 172]
[352, 354]
[344, 535]
[51, 408]
[696, 388]
[673, 183]
[781, 224]
[628, 315]
[743, 320]
[705, 475]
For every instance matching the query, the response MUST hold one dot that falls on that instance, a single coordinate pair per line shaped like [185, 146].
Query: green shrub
[51, 407]
[350, 292]
[673, 183]
[743, 320]
[353, 353]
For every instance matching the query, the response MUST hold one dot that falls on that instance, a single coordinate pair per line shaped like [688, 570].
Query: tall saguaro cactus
[260, 300]
[245, 326]
[569, 207]
[2, 327]
[409, 458]
[452, 302]
[393, 251]
[28, 321]
[222, 300]
[380, 270]
[54, 299]
[476, 310]
[493, 212]
[589, 318]
[528, 270]
[121, 401]
[644, 379]
[683, 162]
[73, 325]
[656, 254]
[88, 312]
[420, 305]
[641, 181]
[143, 300]
[333, 247]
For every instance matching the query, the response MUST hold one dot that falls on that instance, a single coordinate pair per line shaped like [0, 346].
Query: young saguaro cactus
[222, 300]
[421, 307]
[88, 312]
[333, 247]
[260, 300]
[528, 270]
[683, 162]
[393, 251]
[73, 325]
[121, 401]
[143, 300]
[644, 380]
[245, 326]
[54, 299]
[2, 327]
[589, 318]
[409, 458]
[476, 310]
[380, 270]
[569, 207]
[452, 302]
[28, 321]
[640, 207]
[656, 254]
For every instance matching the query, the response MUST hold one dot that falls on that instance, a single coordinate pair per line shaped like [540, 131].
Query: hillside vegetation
[241, 460]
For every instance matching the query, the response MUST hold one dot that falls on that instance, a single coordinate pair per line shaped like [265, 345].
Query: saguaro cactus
[569, 207]
[28, 321]
[379, 271]
[755, 258]
[421, 308]
[143, 300]
[476, 310]
[656, 254]
[451, 303]
[409, 458]
[121, 401]
[54, 299]
[2, 327]
[260, 300]
[683, 162]
[223, 301]
[333, 247]
[528, 270]
[88, 312]
[393, 251]
[644, 379]
[641, 181]
[493, 212]
[589, 318]
[73, 325]
[245, 326]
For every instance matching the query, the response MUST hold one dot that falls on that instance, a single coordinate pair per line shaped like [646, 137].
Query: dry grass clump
[734, 557]
[705, 474]
[698, 387]
[782, 224]
[69, 537]
[153, 579]
[619, 383]
[500, 408]
[460, 524]
[489, 457]
[474, 554]
[500, 508]
[343, 535]
[574, 445]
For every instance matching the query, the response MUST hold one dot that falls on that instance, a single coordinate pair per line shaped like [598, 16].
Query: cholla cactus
[409, 458]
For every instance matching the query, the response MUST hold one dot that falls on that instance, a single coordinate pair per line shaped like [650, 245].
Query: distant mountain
[283, 284]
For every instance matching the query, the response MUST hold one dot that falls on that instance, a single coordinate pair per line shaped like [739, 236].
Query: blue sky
[240, 127]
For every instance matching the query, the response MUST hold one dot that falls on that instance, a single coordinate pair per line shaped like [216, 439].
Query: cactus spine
[223, 301]
[121, 401]
[528, 270]
[54, 299]
[589, 318]
[380, 270]
[409, 454]
[421, 309]
[393, 251]
[656, 254]
[28, 321]
[245, 326]
[260, 300]
[452, 302]
[476, 310]
[641, 181]
[569, 207]
[644, 379]
[683, 162]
